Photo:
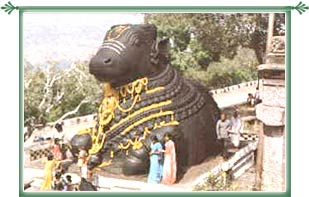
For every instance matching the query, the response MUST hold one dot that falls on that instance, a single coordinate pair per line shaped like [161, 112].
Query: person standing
[155, 170]
[250, 100]
[68, 161]
[84, 170]
[56, 142]
[50, 165]
[58, 182]
[57, 150]
[169, 165]
[223, 128]
[257, 97]
[236, 129]
[58, 133]
[82, 163]
[63, 139]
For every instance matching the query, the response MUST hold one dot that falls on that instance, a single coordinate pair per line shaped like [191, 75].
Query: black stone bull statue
[144, 96]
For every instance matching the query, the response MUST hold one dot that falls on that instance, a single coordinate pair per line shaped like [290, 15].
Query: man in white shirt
[257, 97]
[236, 124]
[58, 133]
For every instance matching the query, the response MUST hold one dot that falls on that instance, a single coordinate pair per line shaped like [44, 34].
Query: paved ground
[243, 183]
[110, 180]
[197, 170]
[246, 181]
[105, 183]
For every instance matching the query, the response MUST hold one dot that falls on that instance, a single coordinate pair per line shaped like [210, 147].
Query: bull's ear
[159, 52]
[163, 46]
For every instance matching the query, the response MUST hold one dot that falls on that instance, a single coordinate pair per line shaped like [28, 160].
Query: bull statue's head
[129, 52]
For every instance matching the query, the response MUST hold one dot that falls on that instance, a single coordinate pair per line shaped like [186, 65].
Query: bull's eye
[137, 42]
[107, 61]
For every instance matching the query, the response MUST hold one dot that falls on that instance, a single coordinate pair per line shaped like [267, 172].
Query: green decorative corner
[9, 7]
[301, 7]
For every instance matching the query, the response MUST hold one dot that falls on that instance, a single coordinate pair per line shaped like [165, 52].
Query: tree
[213, 35]
[219, 49]
[53, 93]
[227, 72]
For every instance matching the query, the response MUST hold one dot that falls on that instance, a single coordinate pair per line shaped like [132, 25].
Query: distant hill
[65, 38]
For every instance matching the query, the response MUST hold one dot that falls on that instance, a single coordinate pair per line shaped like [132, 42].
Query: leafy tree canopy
[52, 93]
[211, 36]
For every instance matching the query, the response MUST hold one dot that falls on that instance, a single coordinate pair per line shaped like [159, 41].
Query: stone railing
[241, 161]
[234, 87]
[67, 123]
[73, 121]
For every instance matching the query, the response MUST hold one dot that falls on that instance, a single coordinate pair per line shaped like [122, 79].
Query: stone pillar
[272, 113]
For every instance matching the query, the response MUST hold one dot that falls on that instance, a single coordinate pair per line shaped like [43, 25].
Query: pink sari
[57, 152]
[169, 166]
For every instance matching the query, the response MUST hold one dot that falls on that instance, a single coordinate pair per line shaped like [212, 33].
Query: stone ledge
[271, 66]
[234, 87]
[271, 116]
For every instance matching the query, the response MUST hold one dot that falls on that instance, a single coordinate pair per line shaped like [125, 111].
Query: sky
[68, 37]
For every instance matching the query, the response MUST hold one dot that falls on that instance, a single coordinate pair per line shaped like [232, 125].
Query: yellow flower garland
[111, 101]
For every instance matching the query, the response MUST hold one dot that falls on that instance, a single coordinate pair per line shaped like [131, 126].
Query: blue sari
[156, 167]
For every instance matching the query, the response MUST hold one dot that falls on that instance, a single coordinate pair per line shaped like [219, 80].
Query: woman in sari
[169, 166]
[155, 171]
[57, 150]
[50, 165]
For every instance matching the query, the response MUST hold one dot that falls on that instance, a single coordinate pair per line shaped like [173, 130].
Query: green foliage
[214, 35]
[51, 92]
[227, 72]
[193, 57]
[219, 182]
[36, 78]
[217, 49]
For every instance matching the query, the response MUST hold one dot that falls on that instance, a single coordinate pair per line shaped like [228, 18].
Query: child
[58, 183]
[68, 186]
[82, 162]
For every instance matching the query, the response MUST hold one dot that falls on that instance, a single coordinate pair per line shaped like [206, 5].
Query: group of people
[229, 130]
[163, 166]
[58, 161]
[255, 99]
[54, 178]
